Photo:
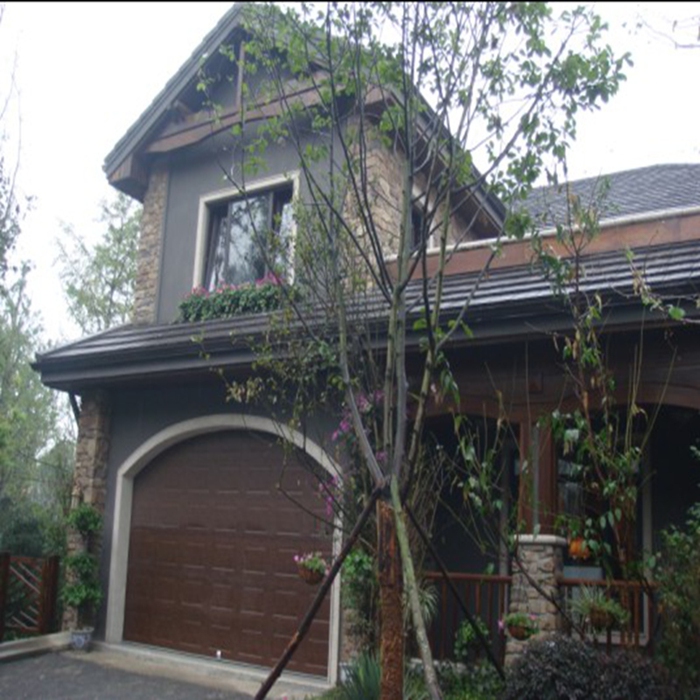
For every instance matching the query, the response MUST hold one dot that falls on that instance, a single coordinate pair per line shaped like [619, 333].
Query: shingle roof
[655, 188]
[503, 306]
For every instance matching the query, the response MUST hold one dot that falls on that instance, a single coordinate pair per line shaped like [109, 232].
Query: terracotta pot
[578, 549]
[311, 577]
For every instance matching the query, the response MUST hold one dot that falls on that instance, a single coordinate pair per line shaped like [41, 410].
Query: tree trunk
[391, 642]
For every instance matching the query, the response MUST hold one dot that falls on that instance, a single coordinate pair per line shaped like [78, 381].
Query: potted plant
[601, 611]
[520, 625]
[312, 567]
[82, 590]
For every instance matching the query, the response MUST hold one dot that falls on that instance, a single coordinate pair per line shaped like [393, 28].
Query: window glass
[240, 230]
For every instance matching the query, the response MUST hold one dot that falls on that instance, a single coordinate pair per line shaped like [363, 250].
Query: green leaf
[676, 313]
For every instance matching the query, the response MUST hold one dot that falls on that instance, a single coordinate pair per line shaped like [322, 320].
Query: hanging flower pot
[311, 567]
[520, 626]
[518, 632]
[311, 577]
[601, 619]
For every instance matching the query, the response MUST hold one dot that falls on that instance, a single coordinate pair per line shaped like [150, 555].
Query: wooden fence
[28, 592]
[486, 598]
[637, 599]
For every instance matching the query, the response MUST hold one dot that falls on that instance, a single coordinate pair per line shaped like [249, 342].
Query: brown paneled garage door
[211, 552]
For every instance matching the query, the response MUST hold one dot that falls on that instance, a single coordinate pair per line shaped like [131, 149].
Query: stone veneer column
[148, 262]
[90, 469]
[542, 558]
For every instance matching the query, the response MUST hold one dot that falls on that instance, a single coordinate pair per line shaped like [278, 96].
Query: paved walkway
[100, 675]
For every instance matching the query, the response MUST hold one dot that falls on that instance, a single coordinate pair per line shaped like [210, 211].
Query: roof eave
[149, 119]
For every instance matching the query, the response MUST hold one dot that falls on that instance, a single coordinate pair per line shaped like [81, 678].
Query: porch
[487, 599]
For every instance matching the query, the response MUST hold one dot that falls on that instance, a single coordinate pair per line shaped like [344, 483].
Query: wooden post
[537, 498]
[49, 590]
[4, 580]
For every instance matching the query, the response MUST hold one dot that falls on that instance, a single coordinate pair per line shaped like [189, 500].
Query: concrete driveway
[106, 675]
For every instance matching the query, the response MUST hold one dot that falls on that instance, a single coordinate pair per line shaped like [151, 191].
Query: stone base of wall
[89, 476]
[542, 560]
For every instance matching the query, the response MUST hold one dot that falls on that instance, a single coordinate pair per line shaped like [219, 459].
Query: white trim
[155, 445]
[203, 215]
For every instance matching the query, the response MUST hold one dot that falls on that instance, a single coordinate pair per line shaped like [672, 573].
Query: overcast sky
[86, 71]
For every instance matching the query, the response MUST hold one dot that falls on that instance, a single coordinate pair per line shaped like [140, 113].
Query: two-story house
[199, 540]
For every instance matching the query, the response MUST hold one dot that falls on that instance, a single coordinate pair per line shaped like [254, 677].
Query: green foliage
[467, 643]
[99, 279]
[36, 456]
[364, 678]
[255, 298]
[678, 576]
[313, 561]
[601, 611]
[85, 519]
[82, 589]
[360, 595]
[562, 667]
[479, 681]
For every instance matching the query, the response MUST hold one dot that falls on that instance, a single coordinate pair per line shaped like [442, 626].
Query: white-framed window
[244, 235]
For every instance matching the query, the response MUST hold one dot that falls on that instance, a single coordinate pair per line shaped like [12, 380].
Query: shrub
[677, 575]
[479, 682]
[360, 596]
[467, 643]
[560, 668]
[85, 519]
[628, 674]
[364, 679]
[554, 668]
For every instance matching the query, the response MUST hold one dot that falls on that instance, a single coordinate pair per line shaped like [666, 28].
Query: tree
[35, 446]
[10, 207]
[387, 172]
[99, 279]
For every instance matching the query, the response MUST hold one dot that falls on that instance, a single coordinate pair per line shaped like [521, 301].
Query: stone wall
[149, 253]
[384, 169]
[89, 475]
[542, 562]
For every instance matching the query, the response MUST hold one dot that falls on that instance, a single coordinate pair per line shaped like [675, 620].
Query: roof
[631, 193]
[504, 307]
[187, 73]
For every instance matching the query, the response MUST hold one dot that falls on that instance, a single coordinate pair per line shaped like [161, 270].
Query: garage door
[211, 552]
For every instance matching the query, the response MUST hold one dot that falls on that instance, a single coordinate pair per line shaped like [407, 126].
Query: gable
[126, 165]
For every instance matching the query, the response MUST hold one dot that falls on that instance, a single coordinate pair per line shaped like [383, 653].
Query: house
[202, 521]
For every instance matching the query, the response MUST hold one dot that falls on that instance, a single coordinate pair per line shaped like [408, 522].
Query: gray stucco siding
[194, 175]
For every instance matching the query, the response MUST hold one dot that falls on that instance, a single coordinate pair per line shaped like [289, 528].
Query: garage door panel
[211, 552]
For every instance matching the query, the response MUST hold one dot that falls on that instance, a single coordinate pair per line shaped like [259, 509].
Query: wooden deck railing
[486, 597]
[635, 597]
[28, 592]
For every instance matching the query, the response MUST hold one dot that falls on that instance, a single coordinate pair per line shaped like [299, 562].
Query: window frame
[213, 200]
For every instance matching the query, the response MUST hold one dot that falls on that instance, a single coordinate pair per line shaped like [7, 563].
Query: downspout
[76, 408]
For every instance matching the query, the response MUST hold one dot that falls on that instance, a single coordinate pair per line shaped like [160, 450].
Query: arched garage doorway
[210, 545]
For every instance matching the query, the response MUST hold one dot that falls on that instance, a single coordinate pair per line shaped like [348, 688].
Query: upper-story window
[243, 238]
